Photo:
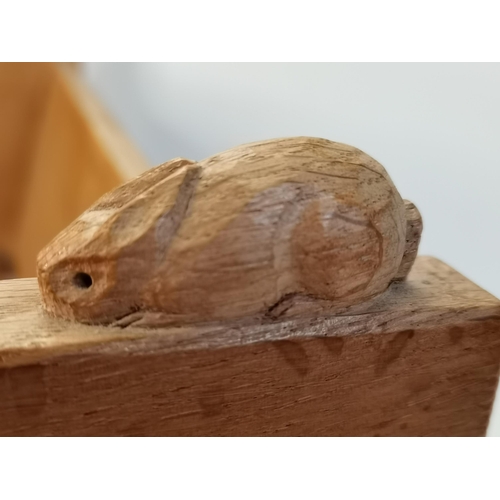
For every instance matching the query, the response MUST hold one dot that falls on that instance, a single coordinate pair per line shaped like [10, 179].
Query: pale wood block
[420, 360]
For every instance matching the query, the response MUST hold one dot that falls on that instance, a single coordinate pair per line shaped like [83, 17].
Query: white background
[435, 128]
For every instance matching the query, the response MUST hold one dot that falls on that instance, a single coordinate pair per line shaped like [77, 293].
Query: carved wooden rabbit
[233, 236]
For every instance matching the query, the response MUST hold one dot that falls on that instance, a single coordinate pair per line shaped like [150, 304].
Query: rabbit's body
[235, 235]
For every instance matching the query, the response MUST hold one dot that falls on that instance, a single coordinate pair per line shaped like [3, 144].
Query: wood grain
[279, 227]
[421, 359]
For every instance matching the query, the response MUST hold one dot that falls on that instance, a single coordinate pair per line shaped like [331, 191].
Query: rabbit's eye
[82, 280]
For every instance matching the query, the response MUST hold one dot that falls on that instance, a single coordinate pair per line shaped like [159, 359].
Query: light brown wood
[23, 88]
[59, 152]
[414, 228]
[284, 227]
[422, 359]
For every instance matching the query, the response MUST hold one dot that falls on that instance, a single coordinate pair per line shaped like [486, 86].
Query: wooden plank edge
[28, 335]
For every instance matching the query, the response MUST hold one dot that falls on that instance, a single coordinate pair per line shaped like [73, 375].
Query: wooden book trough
[271, 290]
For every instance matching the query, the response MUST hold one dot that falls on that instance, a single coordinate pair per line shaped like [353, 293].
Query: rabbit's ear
[128, 192]
[155, 208]
[94, 223]
[414, 227]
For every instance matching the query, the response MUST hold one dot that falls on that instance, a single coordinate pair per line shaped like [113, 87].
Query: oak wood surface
[421, 359]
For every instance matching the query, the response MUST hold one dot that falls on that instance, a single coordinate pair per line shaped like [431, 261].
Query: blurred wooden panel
[23, 91]
[61, 153]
